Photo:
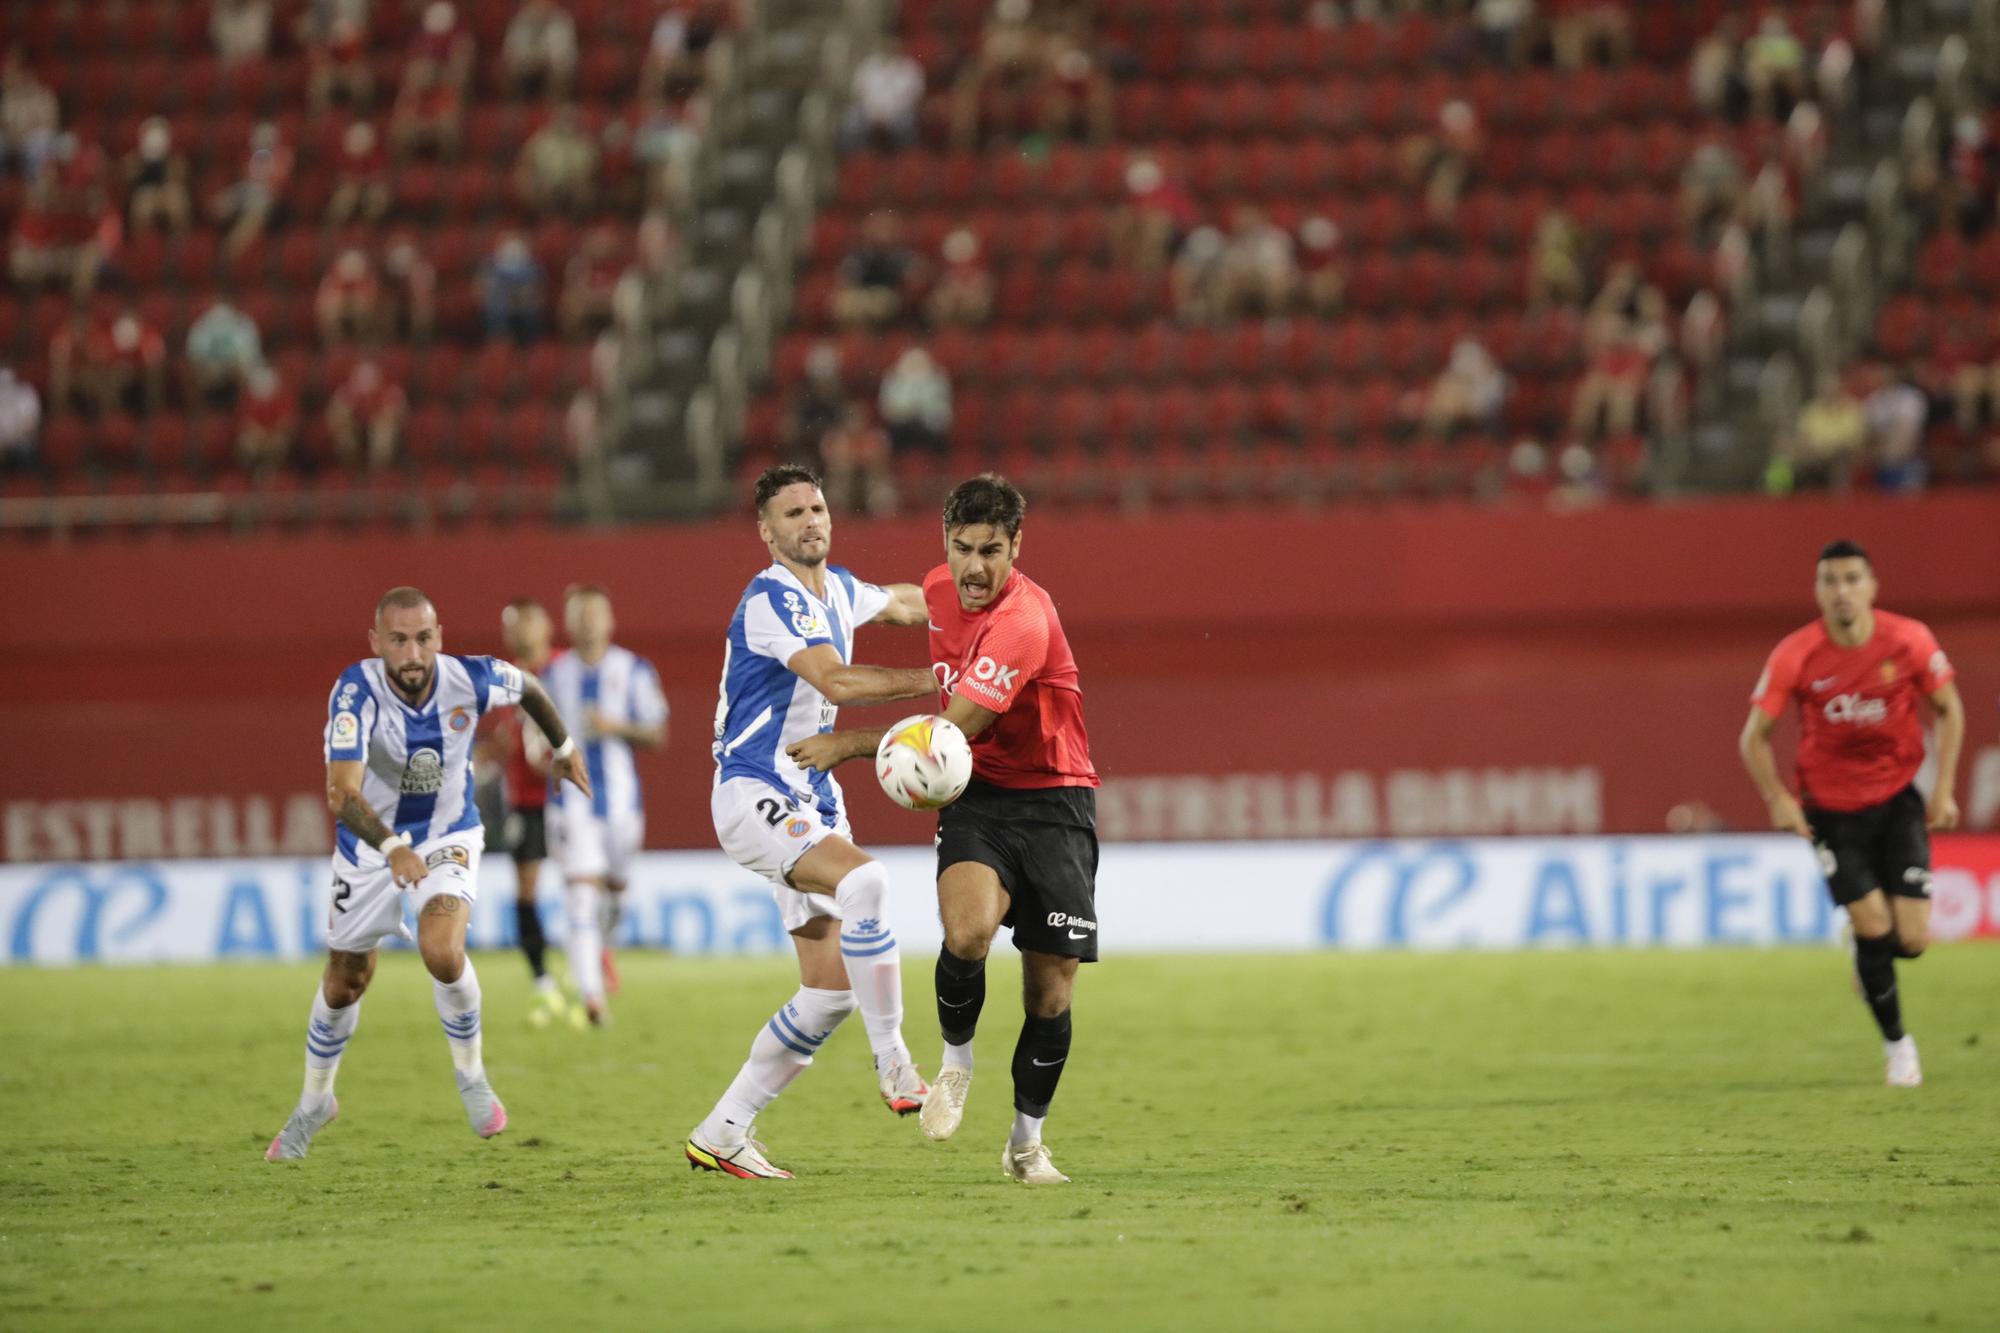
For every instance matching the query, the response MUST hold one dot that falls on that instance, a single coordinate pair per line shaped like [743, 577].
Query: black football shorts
[1042, 843]
[1882, 847]
[528, 834]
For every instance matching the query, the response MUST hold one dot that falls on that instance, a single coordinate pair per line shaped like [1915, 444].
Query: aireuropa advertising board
[1433, 895]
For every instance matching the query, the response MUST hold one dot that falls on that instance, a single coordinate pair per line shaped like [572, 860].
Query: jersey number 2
[773, 812]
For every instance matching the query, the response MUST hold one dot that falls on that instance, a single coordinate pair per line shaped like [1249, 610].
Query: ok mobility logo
[1453, 894]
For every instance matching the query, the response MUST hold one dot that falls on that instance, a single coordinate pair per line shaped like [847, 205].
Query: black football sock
[1039, 1057]
[528, 924]
[961, 994]
[1875, 964]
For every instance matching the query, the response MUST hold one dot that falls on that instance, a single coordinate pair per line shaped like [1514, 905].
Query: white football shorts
[766, 830]
[588, 845]
[368, 906]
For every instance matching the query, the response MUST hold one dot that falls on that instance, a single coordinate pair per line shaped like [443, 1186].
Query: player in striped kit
[398, 745]
[611, 698]
[786, 670]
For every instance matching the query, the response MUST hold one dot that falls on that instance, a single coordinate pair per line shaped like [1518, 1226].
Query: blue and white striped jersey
[624, 688]
[417, 774]
[765, 707]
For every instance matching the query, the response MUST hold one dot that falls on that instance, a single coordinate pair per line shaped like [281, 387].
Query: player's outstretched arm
[1943, 812]
[343, 797]
[831, 749]
[906, 606]
[1754, 745]
[843, 683]
[565, 760]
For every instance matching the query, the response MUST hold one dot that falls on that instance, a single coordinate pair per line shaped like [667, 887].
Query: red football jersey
[1013, 658]
[521, 746]
[1861, 734]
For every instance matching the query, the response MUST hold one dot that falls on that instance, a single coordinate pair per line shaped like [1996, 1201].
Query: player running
[1857, 673]
[398, 743]
[785, 671]
[1019, 848]
[523, 753]
[612, 700]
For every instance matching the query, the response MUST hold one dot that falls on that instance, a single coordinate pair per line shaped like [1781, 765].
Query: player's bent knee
[863, 893]
[1908, 948]
[971, 945]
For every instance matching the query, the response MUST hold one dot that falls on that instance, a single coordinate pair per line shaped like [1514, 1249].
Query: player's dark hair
[1844, 550]
[401, 599]
[775, 479]
[988, 498]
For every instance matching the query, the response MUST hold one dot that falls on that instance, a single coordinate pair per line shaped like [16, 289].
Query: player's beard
[422, 686]
[810, 559]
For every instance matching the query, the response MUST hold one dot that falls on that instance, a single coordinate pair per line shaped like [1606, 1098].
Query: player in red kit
[1019, 848]
[1857, 674]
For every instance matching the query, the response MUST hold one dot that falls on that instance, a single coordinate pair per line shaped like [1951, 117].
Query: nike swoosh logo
[949, 1005]
[933, 625]
[1046, 1064]
[1079, 934]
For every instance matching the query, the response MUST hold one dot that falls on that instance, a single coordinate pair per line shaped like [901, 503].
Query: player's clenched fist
[406, 866]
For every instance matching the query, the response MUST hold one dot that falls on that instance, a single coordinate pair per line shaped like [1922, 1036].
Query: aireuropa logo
[112, 905]
[1416, 884]
[1856, 710]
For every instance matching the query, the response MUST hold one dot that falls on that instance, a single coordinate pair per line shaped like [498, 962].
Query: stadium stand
[1154, 252]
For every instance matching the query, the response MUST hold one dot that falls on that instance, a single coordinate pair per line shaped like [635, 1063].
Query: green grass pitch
[1583, 1140]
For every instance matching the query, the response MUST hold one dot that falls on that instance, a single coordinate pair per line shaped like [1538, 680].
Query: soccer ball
[923, 762]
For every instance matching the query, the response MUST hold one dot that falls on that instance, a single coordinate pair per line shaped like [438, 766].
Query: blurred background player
[1857, 674]
[399, 737]
[523, 756]
[785, 673]
[1019, 848]
[611, 697]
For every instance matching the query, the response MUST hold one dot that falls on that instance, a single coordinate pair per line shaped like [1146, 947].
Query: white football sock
[958, 1057]
[326, 1039]
[873, 959]
[458, 1010]
[585, 944]
[782, 1050]
[1027, 1129]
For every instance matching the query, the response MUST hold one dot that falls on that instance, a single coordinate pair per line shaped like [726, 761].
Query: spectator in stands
[876, 275]
[336, 40]
[429, 114]
[223, 347]
[1322, 266]
[558, 164]
[240, 29]
[647, 282]
[1009, 63]
[1961, 194]
[1440, 163]
[409, 290]
[1467, 394]
[1260, 273]
[1715, 71]
[360, 179]
[40, 250]
[673, 69]
[156, 179]
[71, 373]
[818, 404]
[365, 415]
[1502, 29]
[1196, 281]
[1825, 444]
[1805, 144]
[1704, 339]
[1711, 190]
[915, 402]
[1627, 296]
[963, 293]
[1774, 66]
[1076, 96]
[590, 281]
[1963, 365]
[539, 51]
[29, 116]
[267, 422]
[887, 88]
[510, 290]
[442, 48]
[665, 141]
[854, 457]
[20, 420]
[128, 365]
[1555, 263]
[1583, 30]
[348, 305]
[245, 208]
[1147, 228]
[1609, 393]
[1896, 411]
